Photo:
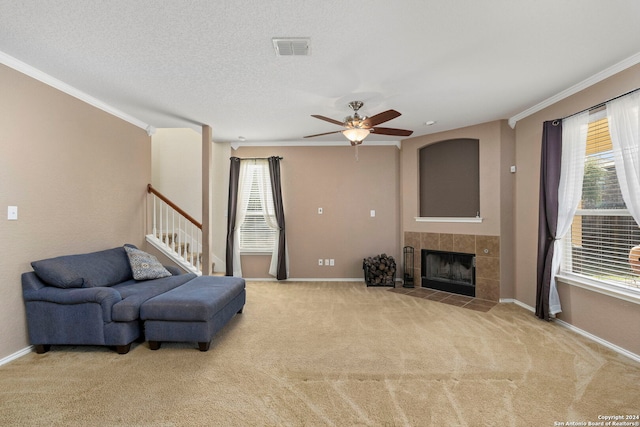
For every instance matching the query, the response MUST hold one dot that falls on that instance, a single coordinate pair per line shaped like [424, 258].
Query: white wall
[177, 173]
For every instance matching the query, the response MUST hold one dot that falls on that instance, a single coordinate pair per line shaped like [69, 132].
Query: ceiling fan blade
[327, 119]
[320, 134]
[385, 116]
[391, 131]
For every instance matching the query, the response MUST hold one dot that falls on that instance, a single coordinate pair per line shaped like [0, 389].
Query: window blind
[255, 233]
[603, 231]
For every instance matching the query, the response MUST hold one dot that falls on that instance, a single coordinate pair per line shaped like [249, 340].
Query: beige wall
[497, 154]
[78, 176]
[608, 318]
[490, 137]
[177, 173]
[177, 168]
[220, 193]
[347, 189]
[507, 206]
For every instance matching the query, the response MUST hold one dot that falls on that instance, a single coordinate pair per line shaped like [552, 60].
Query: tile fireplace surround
[486, 249]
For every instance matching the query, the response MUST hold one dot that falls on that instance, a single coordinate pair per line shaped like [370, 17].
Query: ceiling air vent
[292, 46]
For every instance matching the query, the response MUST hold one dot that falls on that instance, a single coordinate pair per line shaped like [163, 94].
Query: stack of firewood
[379, 270]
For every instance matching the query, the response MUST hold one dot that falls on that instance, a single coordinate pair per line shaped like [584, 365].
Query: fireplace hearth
[449, 271]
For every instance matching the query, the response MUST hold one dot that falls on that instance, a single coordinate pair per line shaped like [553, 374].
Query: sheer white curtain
[266, 198]
[574, 148]
[244, 181]
[624, 126]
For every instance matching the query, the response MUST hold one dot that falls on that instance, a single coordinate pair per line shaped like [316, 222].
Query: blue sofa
[94, 298]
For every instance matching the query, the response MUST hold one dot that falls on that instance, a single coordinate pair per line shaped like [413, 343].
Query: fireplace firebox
[449, 271]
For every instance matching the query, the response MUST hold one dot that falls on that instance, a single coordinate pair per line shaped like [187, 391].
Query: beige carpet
[337, 354]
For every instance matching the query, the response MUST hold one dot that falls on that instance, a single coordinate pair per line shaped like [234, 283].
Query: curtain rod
[602, 104]
[255, 158]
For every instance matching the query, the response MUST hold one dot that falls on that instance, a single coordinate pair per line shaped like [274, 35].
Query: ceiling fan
[357, 127]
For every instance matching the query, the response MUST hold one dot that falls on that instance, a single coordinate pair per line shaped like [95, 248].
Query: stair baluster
[175, 233]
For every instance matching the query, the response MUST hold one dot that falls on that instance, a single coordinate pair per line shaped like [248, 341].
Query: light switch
[12, 213]
[372, 213]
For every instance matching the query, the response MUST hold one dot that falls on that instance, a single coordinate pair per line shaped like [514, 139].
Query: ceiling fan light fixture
[355, 135]
[356, 127]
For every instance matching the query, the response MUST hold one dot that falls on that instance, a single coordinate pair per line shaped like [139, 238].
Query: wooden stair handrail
[175, 207]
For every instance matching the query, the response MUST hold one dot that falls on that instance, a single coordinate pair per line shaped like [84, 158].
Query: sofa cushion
[145, 266]
[134, 293]
[102, 268]
[196, 301]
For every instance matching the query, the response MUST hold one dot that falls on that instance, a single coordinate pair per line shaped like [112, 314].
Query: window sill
[474, 219]
[620, 292]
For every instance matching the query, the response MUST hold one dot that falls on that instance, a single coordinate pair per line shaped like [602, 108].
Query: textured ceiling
[188, 63]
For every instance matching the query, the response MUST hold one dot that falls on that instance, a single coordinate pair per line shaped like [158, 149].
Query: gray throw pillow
[103, 268]
[145, 266]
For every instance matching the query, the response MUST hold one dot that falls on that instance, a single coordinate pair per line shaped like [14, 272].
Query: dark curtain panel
[276, 187]
[548, 211]
[234, 177]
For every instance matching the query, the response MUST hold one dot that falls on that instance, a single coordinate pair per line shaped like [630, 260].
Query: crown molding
[237, 144]
[32, 72]
[596, 78]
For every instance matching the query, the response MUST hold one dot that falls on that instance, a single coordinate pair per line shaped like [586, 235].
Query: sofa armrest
[175, 271]
[34, 290]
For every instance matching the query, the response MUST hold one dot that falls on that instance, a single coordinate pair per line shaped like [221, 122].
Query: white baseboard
[219, 265]
[16, 355]
[314, 279]
[518, 303]
[599, 340]
[579, 331]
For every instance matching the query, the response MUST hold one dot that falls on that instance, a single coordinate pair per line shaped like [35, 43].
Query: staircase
[183, 249]
[175, 233]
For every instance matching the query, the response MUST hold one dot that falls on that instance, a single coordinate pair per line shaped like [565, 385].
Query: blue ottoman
[195, 311]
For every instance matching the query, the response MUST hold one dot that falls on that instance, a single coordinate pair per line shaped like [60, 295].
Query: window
[255, 233]
[603, 231]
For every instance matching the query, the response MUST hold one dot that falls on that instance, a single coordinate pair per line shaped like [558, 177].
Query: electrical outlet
[320, 211]
[12, 213]
[320, 261]
[332, 262]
